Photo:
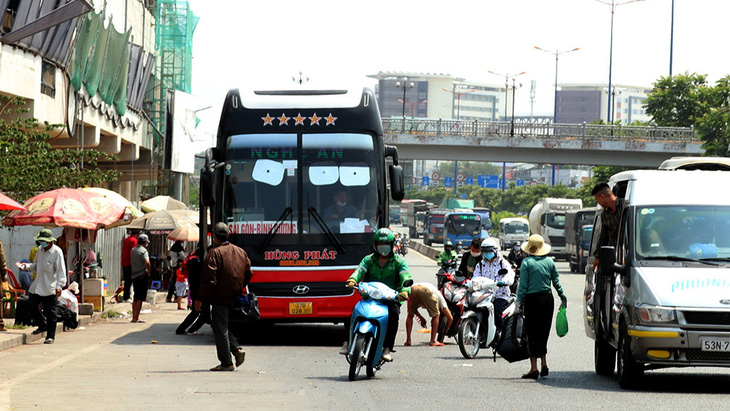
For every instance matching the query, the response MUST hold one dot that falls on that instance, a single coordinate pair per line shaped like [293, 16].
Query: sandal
[223, 368]
[138, 321]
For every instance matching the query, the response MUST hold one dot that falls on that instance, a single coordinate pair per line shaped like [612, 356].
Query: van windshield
[694, 232]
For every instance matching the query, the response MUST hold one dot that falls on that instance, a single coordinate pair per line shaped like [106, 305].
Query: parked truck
[408, 211]
[578, 228]
[547, 218]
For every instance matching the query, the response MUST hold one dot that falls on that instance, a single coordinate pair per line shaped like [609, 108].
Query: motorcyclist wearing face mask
[390, 269]
[471, 258]
[448, 255]
[490, 266]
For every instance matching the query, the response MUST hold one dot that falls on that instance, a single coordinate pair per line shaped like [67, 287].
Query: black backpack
[513, 341]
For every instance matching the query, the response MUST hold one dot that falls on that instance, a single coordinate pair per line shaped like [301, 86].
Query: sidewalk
[16, 337]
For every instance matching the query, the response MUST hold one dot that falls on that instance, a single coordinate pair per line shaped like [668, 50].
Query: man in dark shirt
[226, 272]
[471, 258]
[610, 217]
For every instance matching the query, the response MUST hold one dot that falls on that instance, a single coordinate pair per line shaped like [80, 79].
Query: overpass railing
[476, 128]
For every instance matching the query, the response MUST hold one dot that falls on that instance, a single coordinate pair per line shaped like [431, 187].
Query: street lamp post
[458, 95]
[405, 86]
[413, 106]
[512, 123]
[506, 87]
[612, 4]
[556, 53]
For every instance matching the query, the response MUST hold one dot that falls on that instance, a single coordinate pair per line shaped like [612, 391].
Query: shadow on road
[674, 383]
[296, 335]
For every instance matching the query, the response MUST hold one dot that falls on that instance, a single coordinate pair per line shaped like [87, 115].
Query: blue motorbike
[368, 324]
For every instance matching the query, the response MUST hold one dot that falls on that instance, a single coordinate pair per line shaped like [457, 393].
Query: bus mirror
[407, 283]
[207, 187]
[396, 182]
[392, 151]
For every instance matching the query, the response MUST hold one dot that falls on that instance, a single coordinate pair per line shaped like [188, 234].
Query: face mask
[42, 244]
[488, 255]
[341, 203]
[383, 249]
[474, 253]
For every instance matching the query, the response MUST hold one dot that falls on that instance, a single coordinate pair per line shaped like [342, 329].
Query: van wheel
[604, 358]
[630, 372]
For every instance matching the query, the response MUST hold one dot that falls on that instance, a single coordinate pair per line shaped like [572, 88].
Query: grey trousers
[225, 342]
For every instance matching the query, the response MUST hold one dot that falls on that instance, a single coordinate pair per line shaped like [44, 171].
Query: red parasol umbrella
[67, 207]
[7, 203]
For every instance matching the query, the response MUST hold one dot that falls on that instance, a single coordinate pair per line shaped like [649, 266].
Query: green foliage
[679, 101]
[28, 163]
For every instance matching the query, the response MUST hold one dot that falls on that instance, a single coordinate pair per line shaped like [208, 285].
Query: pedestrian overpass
[579, 144]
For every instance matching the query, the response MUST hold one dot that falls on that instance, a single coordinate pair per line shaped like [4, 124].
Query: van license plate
[300, 308]
[715, 344]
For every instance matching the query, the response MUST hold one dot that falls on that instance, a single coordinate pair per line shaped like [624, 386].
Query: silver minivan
[661, 297]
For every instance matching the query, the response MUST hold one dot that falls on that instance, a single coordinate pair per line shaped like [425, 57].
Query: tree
[679, 101]
[714, 127]
[28, 163]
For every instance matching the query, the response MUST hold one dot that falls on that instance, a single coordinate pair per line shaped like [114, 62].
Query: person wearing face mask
[496, 268]
[50, 279]
[390, 269]
[471, 258]
[339, 210]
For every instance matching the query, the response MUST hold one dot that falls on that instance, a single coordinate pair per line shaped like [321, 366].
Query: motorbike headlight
[655, 314]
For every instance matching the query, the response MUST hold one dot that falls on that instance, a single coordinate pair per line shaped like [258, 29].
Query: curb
[15, 337]
[429, 252]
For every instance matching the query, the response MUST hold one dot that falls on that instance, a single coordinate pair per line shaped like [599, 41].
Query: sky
[248, 42]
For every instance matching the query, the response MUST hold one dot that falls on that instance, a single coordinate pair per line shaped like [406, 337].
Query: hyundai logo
[300, 289]
[724, 301]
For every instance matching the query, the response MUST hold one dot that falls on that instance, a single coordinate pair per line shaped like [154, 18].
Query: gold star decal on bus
[330, 120]
[268, 120]
[299, 120]
[283, 120]
[314, 120]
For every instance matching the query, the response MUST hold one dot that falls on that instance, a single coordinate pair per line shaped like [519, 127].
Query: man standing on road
[140, 260]
[426, 295]
[129, 243]
[50, 279]
[610, 217]
[226, 272]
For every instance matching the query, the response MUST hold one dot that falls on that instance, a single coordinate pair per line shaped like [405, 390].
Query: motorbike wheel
[369, 365]
[357, 354]
[404, 250]
[468, 338]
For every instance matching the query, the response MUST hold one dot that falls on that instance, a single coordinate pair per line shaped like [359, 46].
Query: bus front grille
[303, 289]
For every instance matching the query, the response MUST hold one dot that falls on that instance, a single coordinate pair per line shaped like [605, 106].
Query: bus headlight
[655, 314]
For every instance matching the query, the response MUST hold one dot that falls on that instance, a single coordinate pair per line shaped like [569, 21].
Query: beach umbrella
[67, 207]
[162, 222]
[160, 203]
[7, 203]
[184, 233]
[117, 198]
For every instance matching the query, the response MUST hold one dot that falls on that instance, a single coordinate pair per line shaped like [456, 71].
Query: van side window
[596, 233]
[619, 189]
[622, 248]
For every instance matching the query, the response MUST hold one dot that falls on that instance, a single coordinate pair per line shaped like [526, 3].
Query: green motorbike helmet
[449, 244]
[384, 236]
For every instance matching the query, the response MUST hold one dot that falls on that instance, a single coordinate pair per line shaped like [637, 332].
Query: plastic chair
[11, 296]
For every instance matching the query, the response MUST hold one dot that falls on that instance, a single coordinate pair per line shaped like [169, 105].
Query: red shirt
[129, 243]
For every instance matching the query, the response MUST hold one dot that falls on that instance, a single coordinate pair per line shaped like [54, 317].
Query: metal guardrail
[476, 128]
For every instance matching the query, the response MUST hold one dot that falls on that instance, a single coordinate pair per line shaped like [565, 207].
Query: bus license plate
[715, 344]
[300, 308]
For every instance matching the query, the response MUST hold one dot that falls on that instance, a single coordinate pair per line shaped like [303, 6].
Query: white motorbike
[477, 329]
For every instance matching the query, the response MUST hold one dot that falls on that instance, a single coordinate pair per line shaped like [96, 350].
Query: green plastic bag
[561, 323]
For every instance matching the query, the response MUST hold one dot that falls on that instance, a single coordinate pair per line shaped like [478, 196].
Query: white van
[512, 230]
[661, 297]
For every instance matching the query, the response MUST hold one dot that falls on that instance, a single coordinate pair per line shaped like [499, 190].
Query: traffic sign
[520, 183]
[414, 180]
[424, 181]
[435, 176]
[447, 181]
[460, 177]
[470, 181]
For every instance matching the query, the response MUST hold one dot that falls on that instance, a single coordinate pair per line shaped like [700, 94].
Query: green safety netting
[175, 25]
[101, 61]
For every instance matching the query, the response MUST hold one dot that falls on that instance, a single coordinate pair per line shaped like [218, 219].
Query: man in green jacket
[390, 269]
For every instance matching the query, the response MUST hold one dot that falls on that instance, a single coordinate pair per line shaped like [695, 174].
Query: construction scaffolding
[174, 27]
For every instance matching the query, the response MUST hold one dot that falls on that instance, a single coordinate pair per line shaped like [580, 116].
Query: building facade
[578, 103]
[439, 96]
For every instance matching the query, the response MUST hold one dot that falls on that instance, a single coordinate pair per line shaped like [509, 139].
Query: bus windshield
[313, 182]
[463, 225]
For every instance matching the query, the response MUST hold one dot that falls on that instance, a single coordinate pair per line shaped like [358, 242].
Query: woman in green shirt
[537, 273]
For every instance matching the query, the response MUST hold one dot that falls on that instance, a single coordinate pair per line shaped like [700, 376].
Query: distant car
[394, 216]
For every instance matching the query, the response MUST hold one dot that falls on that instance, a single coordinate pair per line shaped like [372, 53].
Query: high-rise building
[578, 103]
[439, 96]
